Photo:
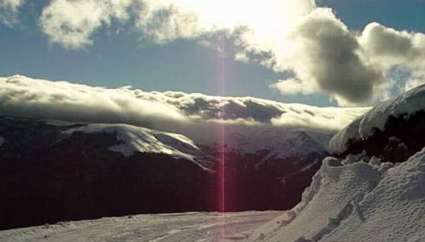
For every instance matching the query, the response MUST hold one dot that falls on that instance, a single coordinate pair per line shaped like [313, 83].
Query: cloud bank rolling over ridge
[190, 114]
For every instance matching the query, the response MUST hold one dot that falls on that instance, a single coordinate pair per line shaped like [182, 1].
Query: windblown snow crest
[398, 118]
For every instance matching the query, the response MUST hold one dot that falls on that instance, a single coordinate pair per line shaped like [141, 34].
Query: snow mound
[408, 104]
[393, 211]
[351, 200]
[136, 139]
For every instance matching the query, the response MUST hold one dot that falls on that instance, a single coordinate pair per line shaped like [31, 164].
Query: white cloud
[165, 24]
[387, 48]
[9, 11]
[293, 86]
[72, 23]
[23, 96]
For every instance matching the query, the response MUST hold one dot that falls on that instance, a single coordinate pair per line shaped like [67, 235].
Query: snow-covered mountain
[133, 139]
[82, 152]
[55, 171]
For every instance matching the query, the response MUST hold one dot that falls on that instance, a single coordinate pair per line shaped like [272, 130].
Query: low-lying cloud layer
[189, 114]
[292, 36]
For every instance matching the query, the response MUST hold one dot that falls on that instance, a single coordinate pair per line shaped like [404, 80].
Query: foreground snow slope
[393, 211]
[162, 227]
[357, 202]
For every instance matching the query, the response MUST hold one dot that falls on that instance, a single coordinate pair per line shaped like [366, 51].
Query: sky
[324, 53]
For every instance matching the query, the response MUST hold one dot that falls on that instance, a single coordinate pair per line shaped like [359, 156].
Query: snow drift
[367, 192]
[361, 201]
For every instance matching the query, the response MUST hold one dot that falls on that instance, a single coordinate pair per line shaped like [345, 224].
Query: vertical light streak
[221, 86]
[221, 175]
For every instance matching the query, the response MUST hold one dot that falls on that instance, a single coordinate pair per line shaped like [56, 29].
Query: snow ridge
[407, 104]
[136, 139]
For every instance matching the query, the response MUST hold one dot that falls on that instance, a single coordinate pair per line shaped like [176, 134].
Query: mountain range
[228, 154]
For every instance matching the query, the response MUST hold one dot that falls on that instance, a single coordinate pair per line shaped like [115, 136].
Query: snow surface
[136, 139]
[407, 103]
[351, 200]
[153, 228]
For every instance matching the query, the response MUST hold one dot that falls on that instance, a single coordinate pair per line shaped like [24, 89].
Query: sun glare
[267, 22]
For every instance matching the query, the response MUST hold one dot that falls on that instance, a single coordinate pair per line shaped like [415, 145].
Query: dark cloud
[330, 56]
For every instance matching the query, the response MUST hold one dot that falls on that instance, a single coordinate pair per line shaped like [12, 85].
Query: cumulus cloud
[165, 24]
[328, 58]
[196, 115]
[292, 36]
[9, 11]
[387, 48]
[72, 23]
[354, 68]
